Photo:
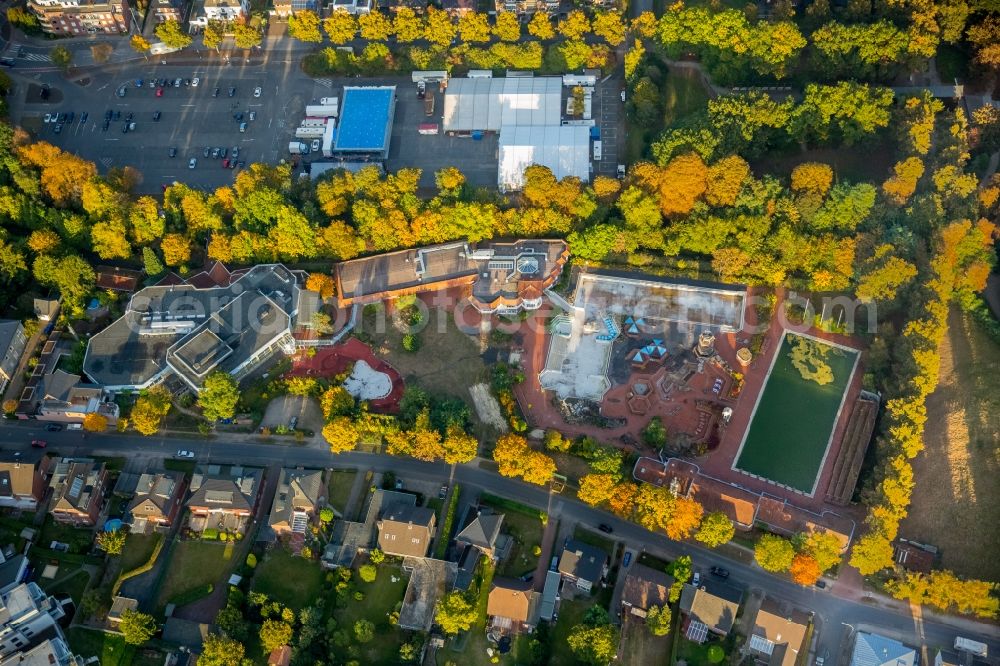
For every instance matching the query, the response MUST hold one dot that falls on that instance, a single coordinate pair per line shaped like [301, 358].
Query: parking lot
[192, 119]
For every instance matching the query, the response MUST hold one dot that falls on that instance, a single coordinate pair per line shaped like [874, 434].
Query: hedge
[449, 517]
[192, 595]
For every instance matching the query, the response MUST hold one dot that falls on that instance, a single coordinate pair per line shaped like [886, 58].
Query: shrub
[411, 342]
[210, 534]
[252, 561]
[368, 573]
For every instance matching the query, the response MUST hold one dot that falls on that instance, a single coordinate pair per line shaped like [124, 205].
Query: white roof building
[487, 105]
[565, 149]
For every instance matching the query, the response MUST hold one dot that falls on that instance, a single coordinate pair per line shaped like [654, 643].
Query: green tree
[71, 275]
[507, 27]
[455, 613]
[303, 25]
[246, 36]
[594, 641]
[376, 556]
[364, 631]
[136, 627]
[654, 434]
[340, 26]
[111, 542]
[221, 651]
[219, 396]
[151, 263]
[658, 620]
[61, 56]
[274, 634]
[774, 553]
[171, 34]
[367, 573]
[716, 529]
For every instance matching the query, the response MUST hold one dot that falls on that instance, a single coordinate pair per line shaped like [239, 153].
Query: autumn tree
[149, 409]
[658, 620]
[653, 506]
[340, 26]
[455, 613]
[825, 547]
[219, 396]
[883, 274]
[438, 27]
[171, 34]
[473, 27]
[341, 434]
[176, 249]
[94, 422]
[575, 25]
[322, 283]
[610, 27]
[221, 651]
[336, 401]
[507, 27]
[246, 35]
[140, 44]
[43, 241]
[814, 177]
[112, 542]
[594, 640]
[716, 529]
[213, 34]
[374, 26]
[303, 25]
[596, 489]
[515, 458]
[725, 180]
[871, 553]
[555, 441]
[71, 275]
[459, 446]
[804, 569]
[773, 553]
[540, 26]
[902, 184]
[685, 518]
[136, 627]
[274, 633]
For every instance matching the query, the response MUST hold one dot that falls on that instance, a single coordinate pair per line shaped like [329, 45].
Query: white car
[696, 579]
[257, 91]
[192, 163]
[48, 118]
[186, 455]
[315, 145]
[623, 95]
[195, 81]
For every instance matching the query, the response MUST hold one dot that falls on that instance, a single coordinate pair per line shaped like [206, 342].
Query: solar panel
[697, 631]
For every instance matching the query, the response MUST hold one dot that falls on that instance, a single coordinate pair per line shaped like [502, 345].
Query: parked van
[74, 426]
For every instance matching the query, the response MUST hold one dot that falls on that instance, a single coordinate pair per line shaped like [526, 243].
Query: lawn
[682, 94]
[956, 492]
[339, 489]
[79, 539]
[138, 549]
[703, 654]
[289, 580]
[864, 163]
[794, 418]
[382, 597]
[527, 533]
[642, 648]
[109, 648]
[570, 615]
[75, 585]
[194, 564]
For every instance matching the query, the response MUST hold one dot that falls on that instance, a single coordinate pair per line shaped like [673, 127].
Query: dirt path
[957, 497]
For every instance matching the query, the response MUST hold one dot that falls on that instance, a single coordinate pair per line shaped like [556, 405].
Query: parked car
[236, 151]
[184, 454]
[821, 584]
[243, 127]
[696, 579]
[215, 153]
[554, 563]
[241, 164]
[131, 126]
[627, 560]
[421, 89]
[48, 118]
[720, 572]
[225, 164]
[192, 163]
[177, 83]
[195, 81]
[399, 484]
[156, 116]
[53, 427]
[38, 443]
[187, 82]
[232, 164]
[173, 152]
[74, 426]
[223, 152]
[138, 83]
[253, 115]
[257, 91]
[294, 421]
[69, 117]
[315, 145]
[108, 114]
[152, 83]
[232, 92]
[207, 152]
[238, 116]
[443, 492]
[604, 527]
[58, 128]
[159, 92]
[215, 93]
[124, 128]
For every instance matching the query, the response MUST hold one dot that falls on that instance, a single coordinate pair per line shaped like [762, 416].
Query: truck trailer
[298, 148]
[969, 645]
[310, 132]
[322, 111]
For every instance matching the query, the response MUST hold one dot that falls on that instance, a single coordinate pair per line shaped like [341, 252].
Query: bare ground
[956, 499]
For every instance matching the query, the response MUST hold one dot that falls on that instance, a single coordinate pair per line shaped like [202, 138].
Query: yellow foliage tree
[341, 434]
[94, 422]
[596, 488]
[176, 249]
[682, 182]
[814, 177]
[321, 282]
[804, 569]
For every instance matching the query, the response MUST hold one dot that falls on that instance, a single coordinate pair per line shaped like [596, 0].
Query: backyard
[194, 564]
[339, 489]
[381, 598]
[289, 580]
[526, 530]
[795, 415]
[138, 549]
[570, 615]
[110, 649]
[956, 491]
[642, 648]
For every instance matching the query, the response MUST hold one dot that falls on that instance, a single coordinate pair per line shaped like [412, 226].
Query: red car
[225, 164]
[159, 92]
[38, 443]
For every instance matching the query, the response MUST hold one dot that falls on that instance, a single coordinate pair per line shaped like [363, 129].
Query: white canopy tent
[486, 105]
[565, 149]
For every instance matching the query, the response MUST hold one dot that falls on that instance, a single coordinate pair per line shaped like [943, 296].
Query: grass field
[111, 649]
[339, 490]
[194, 564]
[381, 598]
[791, 428]
[293, 581]
[957, 496]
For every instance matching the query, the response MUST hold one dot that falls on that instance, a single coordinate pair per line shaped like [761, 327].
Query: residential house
[23, 484]
[297, 501]
[583, 564]
[62, 398]
[876, 650]
[393, 6]
[223, 502]
[112, 278]
[458, 8]
[81, 17]
[280, 656]
[528, 6]
[12, 343]
[355, 7]
[27, 616]
[169, 10]
[948, 658]
[217, 320]
[217, 10]
[157, 502]
[711, 607]
[79, 486]
[52, 651]
[644, 588]
[118, 606]
[482, 533]
[406, 531]
[777, 636]
[512, 607]
[914, 556]
[13, 570]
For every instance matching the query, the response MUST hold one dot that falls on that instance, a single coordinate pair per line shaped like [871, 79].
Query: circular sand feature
[367, 383]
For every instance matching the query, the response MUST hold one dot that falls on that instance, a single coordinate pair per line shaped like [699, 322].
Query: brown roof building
[297, 500]
[224, 502]
[645, 587]
[81, 17]
[512, 606]
[124, 280]
[406, 531]
[777, 636]
[22, 484]
[914, 556]
[712, 607]
[158, 499]
[78, 489]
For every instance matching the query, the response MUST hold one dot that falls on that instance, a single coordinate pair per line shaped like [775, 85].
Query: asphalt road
[836, 617]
